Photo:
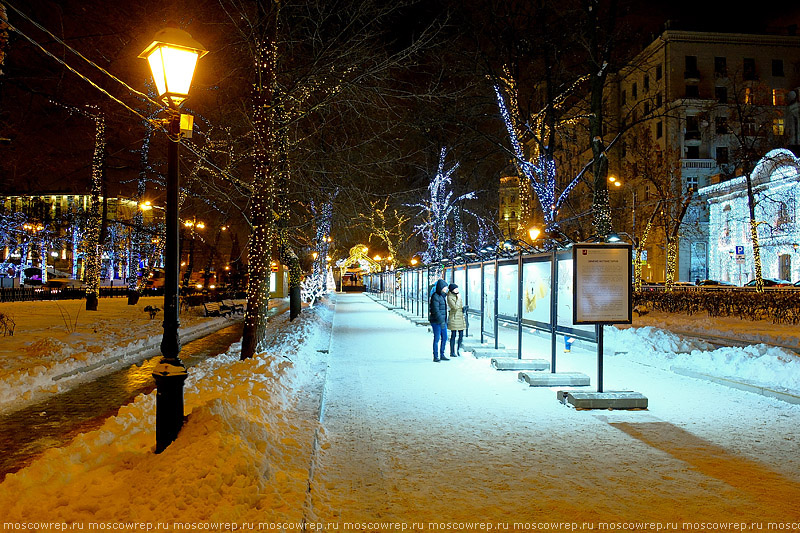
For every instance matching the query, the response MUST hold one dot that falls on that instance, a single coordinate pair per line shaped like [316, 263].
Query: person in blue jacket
[437, 316]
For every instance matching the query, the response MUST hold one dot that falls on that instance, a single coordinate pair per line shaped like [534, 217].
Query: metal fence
[527, 292]
[28, 294]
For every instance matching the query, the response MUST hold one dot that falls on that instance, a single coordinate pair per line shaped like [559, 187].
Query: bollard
[169, 402]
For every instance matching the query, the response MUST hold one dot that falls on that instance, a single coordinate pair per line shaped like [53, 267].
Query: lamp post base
[169, 376]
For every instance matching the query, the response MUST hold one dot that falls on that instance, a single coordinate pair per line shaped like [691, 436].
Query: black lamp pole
[170, 372]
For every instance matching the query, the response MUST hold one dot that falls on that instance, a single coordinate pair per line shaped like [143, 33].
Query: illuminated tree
[436, 211]
[92, 242]
[386, 227]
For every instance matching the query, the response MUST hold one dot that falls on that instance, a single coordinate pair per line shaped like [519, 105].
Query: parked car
[770, 282]
[716, 283]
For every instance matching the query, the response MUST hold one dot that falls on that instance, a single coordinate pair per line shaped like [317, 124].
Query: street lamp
[172, 57]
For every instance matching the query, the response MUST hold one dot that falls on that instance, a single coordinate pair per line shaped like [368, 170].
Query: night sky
[50, 148]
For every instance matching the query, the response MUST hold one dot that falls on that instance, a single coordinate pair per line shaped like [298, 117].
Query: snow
[58, 343]
[404, 440]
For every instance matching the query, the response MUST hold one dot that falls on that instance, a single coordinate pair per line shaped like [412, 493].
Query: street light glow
[173, 56]
[534, 233]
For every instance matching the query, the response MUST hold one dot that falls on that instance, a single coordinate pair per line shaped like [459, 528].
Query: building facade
[696, 109]
[45, 231]
[776, 188]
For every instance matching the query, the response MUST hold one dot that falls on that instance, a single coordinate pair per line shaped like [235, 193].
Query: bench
[233, 307]
[215, 309]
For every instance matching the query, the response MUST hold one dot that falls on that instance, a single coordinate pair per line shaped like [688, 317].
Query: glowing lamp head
[377, 258]
[315, 255]
[173, 56]
[534, 233]
[414, 261]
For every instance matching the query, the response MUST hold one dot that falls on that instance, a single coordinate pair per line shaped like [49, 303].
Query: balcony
[699, 164]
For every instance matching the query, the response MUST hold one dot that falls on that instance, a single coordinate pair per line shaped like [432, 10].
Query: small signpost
[602, 276]
[739, 255]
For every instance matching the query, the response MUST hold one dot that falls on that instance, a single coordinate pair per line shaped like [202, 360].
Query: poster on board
[602, 276]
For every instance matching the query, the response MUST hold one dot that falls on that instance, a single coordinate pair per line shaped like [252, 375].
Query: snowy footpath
[345, 423]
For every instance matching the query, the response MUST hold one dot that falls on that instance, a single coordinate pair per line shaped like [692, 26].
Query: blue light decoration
[437, 210]
[541, 173]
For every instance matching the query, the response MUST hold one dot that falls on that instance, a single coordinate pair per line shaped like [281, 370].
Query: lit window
[748, 95]
[778, 96]
[777, 127]
[691, 183]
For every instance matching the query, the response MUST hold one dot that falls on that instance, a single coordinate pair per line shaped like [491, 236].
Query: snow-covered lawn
[243, 454]
[57, 343]
[404, 440]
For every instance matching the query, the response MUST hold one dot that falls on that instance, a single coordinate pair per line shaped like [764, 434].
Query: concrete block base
[603, 400]
[491, 352]
[558, 379]
[512, 363]
[472, 344]
[420, 321]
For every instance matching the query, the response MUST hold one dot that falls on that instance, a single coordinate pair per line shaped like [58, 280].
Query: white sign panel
[602, 274]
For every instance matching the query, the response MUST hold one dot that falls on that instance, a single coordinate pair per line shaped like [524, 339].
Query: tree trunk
[751, 205]
[599, 55]
[673, 239]
[92, 244]
[261, 206]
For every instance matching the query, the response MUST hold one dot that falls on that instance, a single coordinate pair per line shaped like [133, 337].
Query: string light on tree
[436, 210]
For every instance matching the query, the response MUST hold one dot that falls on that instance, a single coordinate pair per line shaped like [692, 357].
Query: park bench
[233, 306]
[215, 309]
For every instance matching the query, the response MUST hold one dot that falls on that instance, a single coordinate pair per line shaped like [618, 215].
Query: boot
[443, 358]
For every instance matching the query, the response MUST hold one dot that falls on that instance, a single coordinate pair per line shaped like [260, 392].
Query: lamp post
[172, 57]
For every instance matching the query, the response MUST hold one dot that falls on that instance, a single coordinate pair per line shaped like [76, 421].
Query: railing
[29, 294]
[698, 163]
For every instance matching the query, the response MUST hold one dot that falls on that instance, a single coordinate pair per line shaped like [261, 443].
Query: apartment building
[696, 109]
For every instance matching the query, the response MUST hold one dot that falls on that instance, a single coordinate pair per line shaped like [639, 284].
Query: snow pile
[758, 364]
[754, 331]
[57, 343]
[246, 446]
[649, 340]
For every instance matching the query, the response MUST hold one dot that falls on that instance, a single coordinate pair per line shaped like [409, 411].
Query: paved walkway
[409, 440]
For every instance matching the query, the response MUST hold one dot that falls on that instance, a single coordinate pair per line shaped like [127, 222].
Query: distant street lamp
[172, 56]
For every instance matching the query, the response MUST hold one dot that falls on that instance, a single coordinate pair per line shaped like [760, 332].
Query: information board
[602, 283]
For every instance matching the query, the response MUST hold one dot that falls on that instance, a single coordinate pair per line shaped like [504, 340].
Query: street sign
[739, 255]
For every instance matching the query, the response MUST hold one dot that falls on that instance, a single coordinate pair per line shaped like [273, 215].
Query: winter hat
[451, 287]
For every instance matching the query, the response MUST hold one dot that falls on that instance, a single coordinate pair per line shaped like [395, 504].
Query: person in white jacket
[455, 319]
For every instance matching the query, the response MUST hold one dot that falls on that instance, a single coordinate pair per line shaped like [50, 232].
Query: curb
[150, 348]
[739, 385]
